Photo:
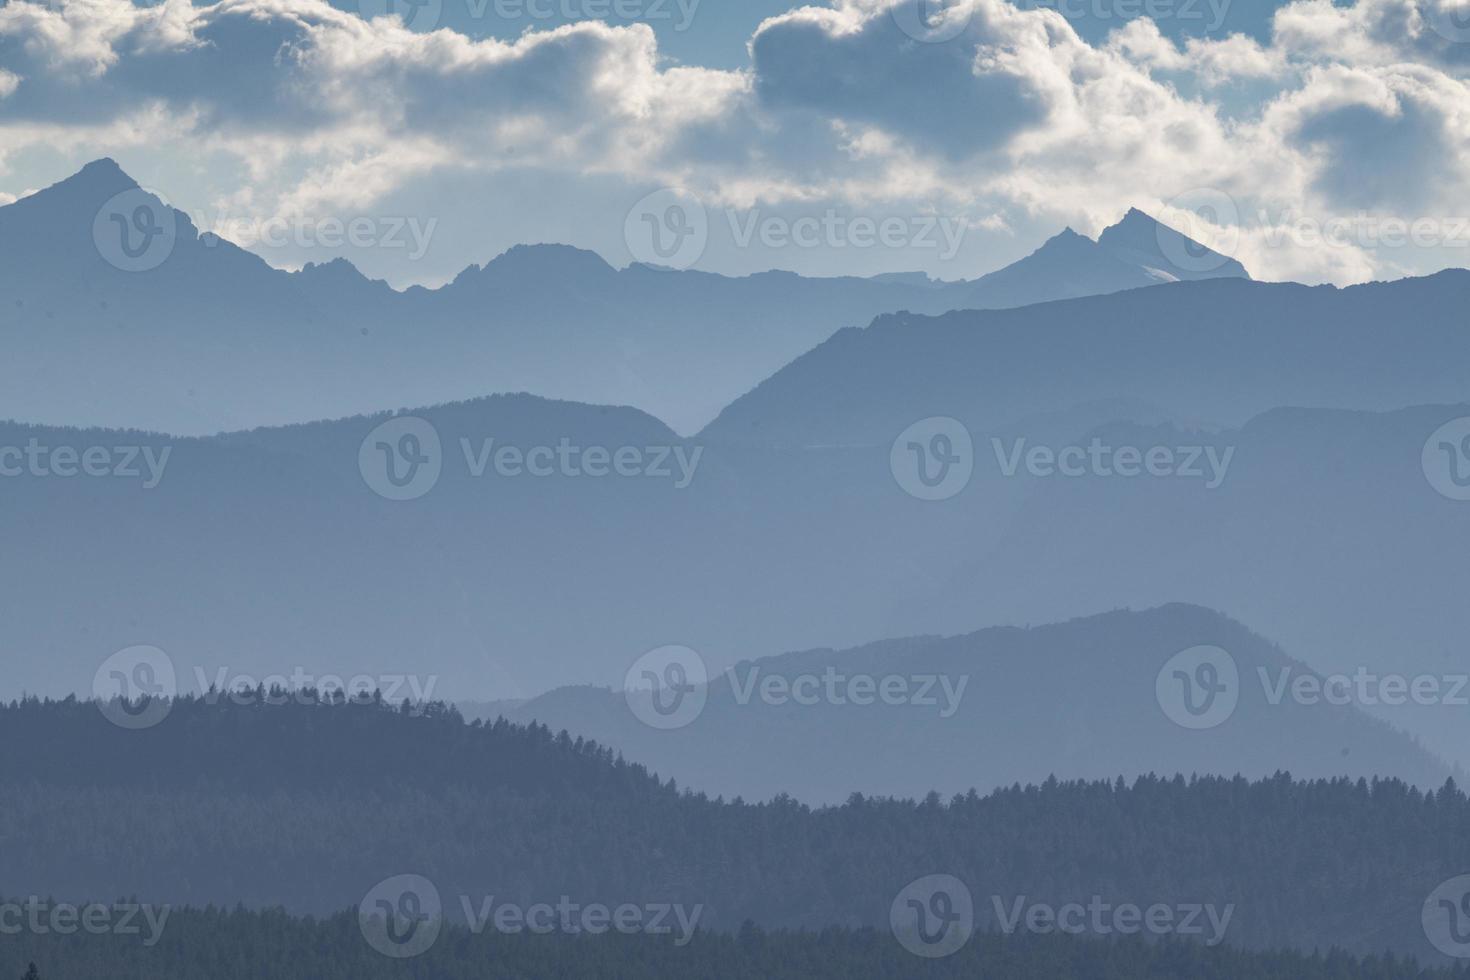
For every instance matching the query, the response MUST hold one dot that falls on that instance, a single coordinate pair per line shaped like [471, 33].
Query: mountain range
[262, 551]
[197, 336]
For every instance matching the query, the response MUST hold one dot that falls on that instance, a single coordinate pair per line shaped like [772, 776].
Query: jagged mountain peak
[1141, 239]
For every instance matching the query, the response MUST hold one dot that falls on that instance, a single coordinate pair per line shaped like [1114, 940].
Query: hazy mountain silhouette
[1077, 700]
[265, 550]
[1128, 255]
[1221, 350]
[209, 338]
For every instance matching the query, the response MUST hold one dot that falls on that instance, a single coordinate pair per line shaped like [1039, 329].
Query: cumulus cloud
[1004, 117]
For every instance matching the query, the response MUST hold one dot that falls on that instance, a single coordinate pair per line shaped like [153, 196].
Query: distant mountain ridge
[199, 336]
[266, 549]
[1076, 700]
[1220, 351]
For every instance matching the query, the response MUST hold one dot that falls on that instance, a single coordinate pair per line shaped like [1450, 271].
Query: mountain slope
[1220, 351]
[984, 710]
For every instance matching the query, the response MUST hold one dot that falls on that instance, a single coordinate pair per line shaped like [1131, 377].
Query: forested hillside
[309, 806]
[242, 945]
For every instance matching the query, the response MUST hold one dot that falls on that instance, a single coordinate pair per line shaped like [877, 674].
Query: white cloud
[1012, 123]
